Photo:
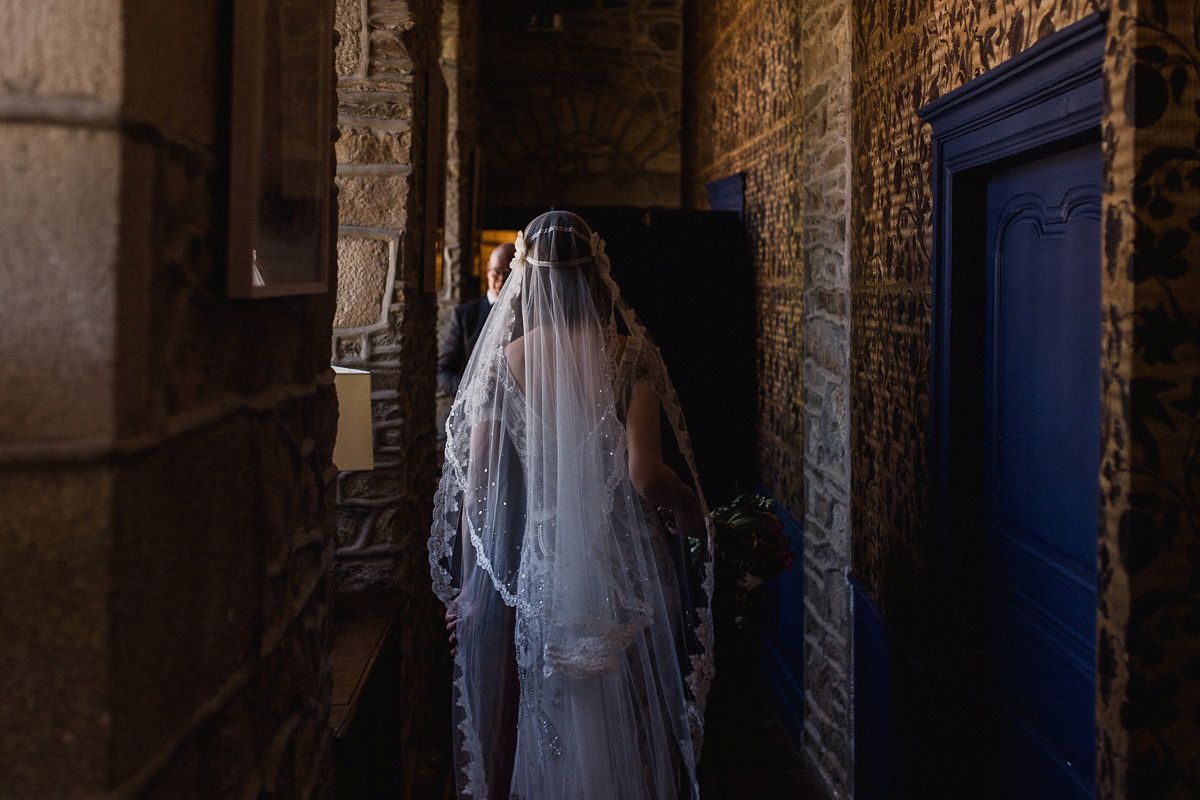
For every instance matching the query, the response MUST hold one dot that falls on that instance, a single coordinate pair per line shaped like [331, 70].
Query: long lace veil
[584, 623]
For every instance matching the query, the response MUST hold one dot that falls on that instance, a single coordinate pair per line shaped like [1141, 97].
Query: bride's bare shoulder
[515, 349]
[514, 353]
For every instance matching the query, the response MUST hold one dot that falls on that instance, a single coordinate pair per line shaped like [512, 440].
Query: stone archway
[605, 151]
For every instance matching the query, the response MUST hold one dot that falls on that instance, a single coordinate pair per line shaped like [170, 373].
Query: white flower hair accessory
[518, 260]
[598, 253]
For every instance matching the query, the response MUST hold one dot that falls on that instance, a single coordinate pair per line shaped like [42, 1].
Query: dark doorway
[1016, 421]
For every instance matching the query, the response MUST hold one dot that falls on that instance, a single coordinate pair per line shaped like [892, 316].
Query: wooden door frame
[999, 117]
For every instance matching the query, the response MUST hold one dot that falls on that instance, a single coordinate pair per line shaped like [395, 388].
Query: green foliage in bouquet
[751, 549]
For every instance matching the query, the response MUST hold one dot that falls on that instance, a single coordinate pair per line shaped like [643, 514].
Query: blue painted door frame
[1043, 103]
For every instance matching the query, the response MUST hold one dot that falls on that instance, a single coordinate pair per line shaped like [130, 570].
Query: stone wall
[768, 96]
[460, 246]
[165, 483]
[587, 114]
[385, 323]
[825, 54]
[385, 317]
[460, 65]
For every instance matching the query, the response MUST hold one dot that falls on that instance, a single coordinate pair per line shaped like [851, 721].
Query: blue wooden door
[1041, 453]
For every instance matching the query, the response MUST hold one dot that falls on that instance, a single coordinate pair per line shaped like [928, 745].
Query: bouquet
[751, 549]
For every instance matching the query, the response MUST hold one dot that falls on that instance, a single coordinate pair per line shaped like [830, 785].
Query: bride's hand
[690, 519]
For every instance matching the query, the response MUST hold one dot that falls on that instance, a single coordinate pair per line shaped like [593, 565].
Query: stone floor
[746, 752]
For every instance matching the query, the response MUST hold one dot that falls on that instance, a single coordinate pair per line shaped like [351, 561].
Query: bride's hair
[560, 242]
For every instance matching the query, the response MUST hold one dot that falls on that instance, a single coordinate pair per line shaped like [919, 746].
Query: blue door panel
[1042, 577]
[1047, 320]
[1041, 776]
[1047, 687]
[1041, 454]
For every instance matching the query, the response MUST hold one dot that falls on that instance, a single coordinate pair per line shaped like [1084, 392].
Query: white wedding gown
[584, 629]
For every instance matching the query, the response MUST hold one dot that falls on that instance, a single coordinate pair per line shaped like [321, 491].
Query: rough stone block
[388, 52]
[348, 22]
[388, 107]
[669, 161]
[362, 281]
[358, 145]
[367, 575]
[58, 221]
[828, 344]
[374, 201]
[348, 350]
[639, 130]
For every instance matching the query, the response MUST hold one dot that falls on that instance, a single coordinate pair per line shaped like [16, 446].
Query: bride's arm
[650, 475]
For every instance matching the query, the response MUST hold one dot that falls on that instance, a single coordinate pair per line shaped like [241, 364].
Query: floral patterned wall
[1149, 666]
[742, 114]
[905, 55]
[767, 87]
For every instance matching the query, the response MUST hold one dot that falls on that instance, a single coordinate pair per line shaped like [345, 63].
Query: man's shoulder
[470, 308]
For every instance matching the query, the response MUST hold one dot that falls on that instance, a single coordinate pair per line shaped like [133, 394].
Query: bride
[574, 562]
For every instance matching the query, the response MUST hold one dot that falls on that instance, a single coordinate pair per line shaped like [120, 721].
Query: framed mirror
[281, 143]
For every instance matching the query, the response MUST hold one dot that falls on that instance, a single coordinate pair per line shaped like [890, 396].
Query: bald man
[467, 322]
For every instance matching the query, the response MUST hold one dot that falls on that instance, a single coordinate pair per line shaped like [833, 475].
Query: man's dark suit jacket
[465, 327]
